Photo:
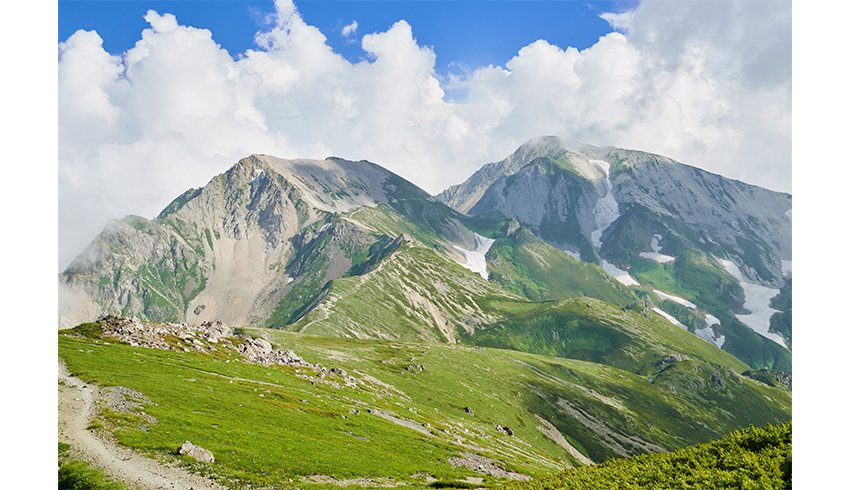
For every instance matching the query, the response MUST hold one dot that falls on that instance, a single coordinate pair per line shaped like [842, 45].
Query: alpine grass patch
[752, 458]
[80, 475]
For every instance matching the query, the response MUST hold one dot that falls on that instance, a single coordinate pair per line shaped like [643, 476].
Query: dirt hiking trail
[76, 410]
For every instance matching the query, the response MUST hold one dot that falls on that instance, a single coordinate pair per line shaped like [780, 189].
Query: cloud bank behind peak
[706, 83]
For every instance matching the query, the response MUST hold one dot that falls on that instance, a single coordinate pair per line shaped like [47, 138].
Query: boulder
[671, 359]
[197, 452]
[504, 429]
[264, 346]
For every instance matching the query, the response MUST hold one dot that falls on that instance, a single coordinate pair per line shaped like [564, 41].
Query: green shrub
[754, 458]
[78, 475]
[455, 484]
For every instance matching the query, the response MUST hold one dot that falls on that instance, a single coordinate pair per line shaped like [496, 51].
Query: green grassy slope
[336, 249]
[413, 294]
[755, 458]
[271, 424]
[587, 329]
[697, 278]
[525, 265]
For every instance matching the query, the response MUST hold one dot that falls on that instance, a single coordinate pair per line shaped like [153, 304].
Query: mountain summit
[234, 249]
[714, 251]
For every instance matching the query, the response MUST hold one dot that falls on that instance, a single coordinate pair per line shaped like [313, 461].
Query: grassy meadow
[415, 406]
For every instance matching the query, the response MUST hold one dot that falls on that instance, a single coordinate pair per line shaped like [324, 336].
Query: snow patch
[757, 301]
[786, 268]
[675, 299]
[731, 268]
[476, 259]
[655, 255]
[669, 317]
[607, 210]
[788, 213]
[289, 280]
[656, 247]
[323, 228]
[574, 255]
[708, 334]
[619, 274]
[257, 174]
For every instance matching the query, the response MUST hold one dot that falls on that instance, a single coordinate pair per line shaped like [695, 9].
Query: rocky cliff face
[559, 193]
[463, 197]
[557, 205]
[219, 252]
[737, 215]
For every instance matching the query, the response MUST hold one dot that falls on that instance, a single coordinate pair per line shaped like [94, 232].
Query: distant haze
[705, 83]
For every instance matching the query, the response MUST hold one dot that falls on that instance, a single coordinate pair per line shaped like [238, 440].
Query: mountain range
[347, 248]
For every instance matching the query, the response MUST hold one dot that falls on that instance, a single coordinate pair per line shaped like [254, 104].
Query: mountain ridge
[261, 242]
[653, 224]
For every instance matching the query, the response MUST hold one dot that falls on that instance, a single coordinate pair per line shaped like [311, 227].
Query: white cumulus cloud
[349, 29]
[707, 83]
[620, 21]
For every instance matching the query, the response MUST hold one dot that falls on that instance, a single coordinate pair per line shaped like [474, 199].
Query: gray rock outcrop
[197, 452]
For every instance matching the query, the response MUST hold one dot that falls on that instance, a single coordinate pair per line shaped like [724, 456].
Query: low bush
[78, 475]
[754, 458]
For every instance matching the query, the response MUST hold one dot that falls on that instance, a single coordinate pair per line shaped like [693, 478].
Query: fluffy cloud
[138, 130]
[720, 74]
[620, 21]
[707, 83]
[350, 29]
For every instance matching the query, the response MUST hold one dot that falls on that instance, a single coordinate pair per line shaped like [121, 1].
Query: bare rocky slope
[718, 251]
[266, 231]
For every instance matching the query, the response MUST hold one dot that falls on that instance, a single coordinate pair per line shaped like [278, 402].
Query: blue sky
[464, 34]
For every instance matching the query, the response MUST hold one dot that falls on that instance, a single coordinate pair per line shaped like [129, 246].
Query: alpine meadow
[563, 315]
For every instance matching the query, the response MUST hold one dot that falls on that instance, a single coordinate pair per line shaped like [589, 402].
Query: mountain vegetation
[753, 458]
[566, 306]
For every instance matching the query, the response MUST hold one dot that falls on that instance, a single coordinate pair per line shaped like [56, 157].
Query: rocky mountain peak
[333, 184]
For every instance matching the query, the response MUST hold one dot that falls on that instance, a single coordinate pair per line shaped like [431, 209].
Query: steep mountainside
[234, 249]
[709, 251]
[260, 242]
